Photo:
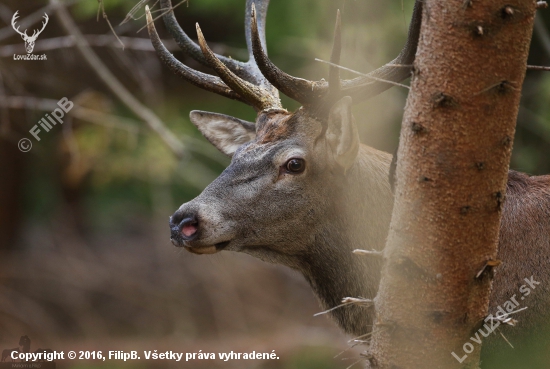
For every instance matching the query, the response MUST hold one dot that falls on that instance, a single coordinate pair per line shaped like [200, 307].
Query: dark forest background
[85, 256]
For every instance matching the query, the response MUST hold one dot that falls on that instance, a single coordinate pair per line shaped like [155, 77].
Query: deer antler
[258, 97]
[299, 89]
[334, 72]
[247, 71]
[258, 81]
[13, 19]
[309, 92]
[364, 87]
[239, 81]
[199, 79]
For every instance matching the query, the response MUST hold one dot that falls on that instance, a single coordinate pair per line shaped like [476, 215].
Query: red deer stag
[302, 191]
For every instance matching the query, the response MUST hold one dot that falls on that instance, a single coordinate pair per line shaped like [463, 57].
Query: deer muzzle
[183, 227]
[189, 231]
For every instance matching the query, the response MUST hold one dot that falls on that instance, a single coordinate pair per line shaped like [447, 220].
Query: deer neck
[361, 221]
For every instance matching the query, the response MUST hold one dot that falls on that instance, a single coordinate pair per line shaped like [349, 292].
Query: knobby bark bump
[454, 154]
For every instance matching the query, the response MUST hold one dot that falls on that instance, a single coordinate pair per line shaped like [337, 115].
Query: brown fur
[274, 127]
[313, 221]
[524, 248]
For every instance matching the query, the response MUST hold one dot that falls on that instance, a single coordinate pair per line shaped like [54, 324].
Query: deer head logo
[29, 40]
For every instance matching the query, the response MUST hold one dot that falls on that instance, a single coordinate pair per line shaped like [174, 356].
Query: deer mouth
[189, 231]
[222, 245]
[205, 250]
[201, 250]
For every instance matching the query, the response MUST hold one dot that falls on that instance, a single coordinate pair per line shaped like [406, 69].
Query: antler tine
[260, 98]
[364, 87]
[256, 9]
[184, 42]
[259, 8]
[199, 79]
[309, 92]
[299, 89]
[334, 72]
[191, 48]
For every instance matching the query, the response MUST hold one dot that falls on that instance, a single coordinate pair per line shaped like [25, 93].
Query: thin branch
[538, 67]
[163, 13]
[358, 301]
[348, 301]
[108, 120]
[355, 363]
[332, 309]
[155, 11]
[368, 252]
[80, 112]
[366, 75]
[366, 334]
[346, 350]
[136, 8]
[101, 6]
[133, 11]
[114, 84]
[56, 43]
[500, 86]
[505, 339]
[488, 264]
[400, 65]
[505, 318]
[132, 43]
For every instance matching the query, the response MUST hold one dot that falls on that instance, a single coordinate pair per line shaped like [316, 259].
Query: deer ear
[342, 135]
[225, 132]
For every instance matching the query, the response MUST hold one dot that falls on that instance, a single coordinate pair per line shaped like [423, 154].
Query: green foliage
[88, 8]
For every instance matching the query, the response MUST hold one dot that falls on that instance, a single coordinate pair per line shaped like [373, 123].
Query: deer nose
[183, 226]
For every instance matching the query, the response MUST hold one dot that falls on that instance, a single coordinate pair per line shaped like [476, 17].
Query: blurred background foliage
[85, 257]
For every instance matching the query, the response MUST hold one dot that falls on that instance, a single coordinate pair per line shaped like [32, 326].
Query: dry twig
[368, 252]
[163, 13]
[114, 84]
[348, 301]
[101, 6]
[366, 75]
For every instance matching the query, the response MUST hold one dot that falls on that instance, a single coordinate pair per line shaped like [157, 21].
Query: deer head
[29, 40]
[284, 193]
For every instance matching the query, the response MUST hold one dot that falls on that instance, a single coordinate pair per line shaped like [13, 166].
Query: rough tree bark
[454, 155]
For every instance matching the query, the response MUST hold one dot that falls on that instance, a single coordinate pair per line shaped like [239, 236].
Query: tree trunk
[454, 154]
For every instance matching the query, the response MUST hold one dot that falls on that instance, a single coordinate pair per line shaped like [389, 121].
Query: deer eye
[295, 166]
